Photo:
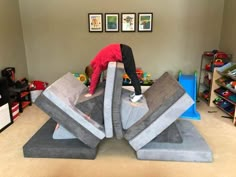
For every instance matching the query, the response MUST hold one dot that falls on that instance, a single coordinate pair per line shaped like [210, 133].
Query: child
[114, 53]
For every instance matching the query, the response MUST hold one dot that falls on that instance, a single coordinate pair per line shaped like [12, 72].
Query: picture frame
[145, 22]
[128, 22]
[95, 22]
[112, 22]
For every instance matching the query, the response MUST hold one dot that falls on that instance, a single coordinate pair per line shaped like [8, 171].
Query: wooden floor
[115, 157]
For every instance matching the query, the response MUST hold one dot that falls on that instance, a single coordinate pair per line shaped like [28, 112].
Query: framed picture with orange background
[95, 22]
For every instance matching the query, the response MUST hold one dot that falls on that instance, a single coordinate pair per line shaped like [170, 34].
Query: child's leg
[130, 68]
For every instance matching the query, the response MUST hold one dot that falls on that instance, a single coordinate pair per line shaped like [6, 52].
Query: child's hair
[89, 71]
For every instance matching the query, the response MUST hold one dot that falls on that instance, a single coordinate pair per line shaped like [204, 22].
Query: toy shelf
[207, 76]
[225, 83]
[206, 91]
[231, 114]
[21, 96]
[226, 94]
[25, 103]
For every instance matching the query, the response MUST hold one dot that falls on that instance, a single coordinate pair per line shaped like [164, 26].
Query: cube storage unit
[5, 110]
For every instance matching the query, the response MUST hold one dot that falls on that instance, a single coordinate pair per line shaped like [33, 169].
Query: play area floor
[115, 157]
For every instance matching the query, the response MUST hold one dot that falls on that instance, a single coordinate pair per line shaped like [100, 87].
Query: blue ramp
[189, 83]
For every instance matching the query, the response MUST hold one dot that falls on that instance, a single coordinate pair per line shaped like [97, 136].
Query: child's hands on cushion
[88, 95]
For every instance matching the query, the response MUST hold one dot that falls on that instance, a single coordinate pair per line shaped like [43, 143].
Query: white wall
[228, 35]
[12, 51]
[57, 38]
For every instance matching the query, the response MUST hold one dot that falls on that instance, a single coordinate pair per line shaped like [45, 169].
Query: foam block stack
[59, 101]
[150, 126]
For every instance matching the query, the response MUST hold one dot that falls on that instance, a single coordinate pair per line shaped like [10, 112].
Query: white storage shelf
[5, 117]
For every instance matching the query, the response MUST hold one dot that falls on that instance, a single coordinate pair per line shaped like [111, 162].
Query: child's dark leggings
[130, 68]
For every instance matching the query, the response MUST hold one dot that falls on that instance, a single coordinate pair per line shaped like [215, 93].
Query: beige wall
[228, 36]
[57, 38]
[12, 52]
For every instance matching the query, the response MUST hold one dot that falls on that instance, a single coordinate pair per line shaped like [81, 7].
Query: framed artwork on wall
[95, 22]
[111, 22]
[145, 21]
[128, 22]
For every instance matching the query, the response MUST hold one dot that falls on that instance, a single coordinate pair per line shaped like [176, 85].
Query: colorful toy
[206, 95]
[218, 101]
[233, 84]
[226, 93]
[218, 62]
[139, 73]
[144, 77]
[126, 79]
[81, 77]
[208, 67]
[38, 85]
[147, 78]
[221, 55]
[224, 104]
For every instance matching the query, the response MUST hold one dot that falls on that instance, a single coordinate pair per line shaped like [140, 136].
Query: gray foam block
[164, 92]
[66, 121]
[93, 106]
[65, 93]
[116, 101]
[108, 99]
[61, 133]
[41, 145]
[169, 135]
[192, 149]
[162, 122]
[131, 112]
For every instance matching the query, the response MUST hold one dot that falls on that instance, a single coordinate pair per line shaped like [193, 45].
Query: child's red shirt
[110, 53]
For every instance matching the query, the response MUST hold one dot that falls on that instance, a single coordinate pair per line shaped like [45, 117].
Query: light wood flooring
[116, 158]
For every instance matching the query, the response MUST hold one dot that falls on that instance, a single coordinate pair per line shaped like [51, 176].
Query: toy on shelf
[144, 78]
[224, 105]
[216, 54]
[218, 63]
[207, 79]
[126, 79]
[147, 78]
[233, 84]
[219, 59]
[139, 73]
[206, 95]
[226, 94]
